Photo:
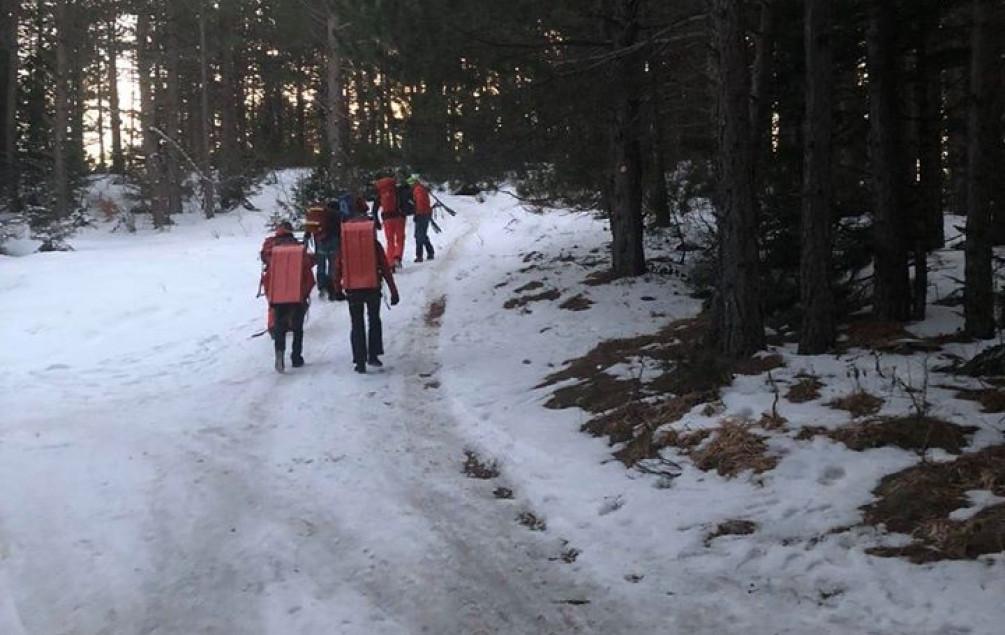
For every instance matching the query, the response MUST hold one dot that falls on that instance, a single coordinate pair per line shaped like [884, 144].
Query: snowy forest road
[166, 481]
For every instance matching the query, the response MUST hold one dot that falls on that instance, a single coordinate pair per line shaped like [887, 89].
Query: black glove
[339, 295]
[395, 299]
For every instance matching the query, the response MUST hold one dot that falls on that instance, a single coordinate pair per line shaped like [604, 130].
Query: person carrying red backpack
[423, 216]
[359, 269]
[392, 218]
[288, 279]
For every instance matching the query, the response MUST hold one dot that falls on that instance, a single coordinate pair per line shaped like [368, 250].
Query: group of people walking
[351, 264]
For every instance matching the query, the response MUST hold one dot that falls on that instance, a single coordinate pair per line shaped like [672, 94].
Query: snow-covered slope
[159, 477]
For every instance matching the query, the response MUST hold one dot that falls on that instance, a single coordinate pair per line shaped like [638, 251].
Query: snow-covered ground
[158, 477]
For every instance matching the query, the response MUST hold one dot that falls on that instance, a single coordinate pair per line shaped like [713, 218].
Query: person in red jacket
[392, 218]
[423, 216]
[359, 268]
[287, 308]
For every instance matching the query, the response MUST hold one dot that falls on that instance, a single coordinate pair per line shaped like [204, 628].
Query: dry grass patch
[598, 393]
[875, 335]
[992, 400]
[858, 404]
[909, 433]
[732, 528]
[577, 302]
[635, 424]
[533, 285]
[523, 300]
[919, 500]
[805, 390]
[758, 365]
[734, 449]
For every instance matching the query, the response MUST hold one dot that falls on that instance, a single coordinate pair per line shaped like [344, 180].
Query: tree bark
[628, 254]
[232, 96]
[891, 296]
[739, 320]
[151, 151]
[8, 92]
[818, 329]
[334, 106]
[60, 121]
[114, 111]
[978, 292]
[659, 198]
[172, 107]
[208, 187]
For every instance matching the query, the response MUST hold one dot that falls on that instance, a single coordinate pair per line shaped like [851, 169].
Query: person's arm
[385, 272]
[336, 277]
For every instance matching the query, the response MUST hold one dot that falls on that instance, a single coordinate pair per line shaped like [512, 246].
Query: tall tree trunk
[760, 107]
[891, 296]
[818, 328]
[628, 255]
[659, 198]
[978, 306]
[99, 105]
[739, 319]
[8, 92]
[232, 96]
[930, 132]
[60, 121]
[208, 187]
[114, 112]
[151, 151]
[172, 108]
[334, 98]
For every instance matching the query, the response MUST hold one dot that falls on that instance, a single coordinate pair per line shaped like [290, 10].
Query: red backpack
[359, 255]
[286, 275]
[387, 190]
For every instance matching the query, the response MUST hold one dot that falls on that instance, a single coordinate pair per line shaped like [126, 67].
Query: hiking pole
[436, 228]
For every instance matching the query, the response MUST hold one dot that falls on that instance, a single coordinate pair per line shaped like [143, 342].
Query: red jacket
[423, 206]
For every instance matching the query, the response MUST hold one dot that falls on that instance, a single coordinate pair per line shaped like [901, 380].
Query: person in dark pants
[423, 216]
[359, 268]
[289, 302]
[289, 317]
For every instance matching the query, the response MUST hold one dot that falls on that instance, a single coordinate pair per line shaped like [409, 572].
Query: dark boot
[360, 368]
[298, 361]
[375, 361]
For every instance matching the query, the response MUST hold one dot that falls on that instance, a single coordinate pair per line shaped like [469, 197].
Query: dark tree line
[794, 117]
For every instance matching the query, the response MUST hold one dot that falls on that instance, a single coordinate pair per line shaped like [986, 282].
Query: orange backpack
[286, 274]
[359, 255]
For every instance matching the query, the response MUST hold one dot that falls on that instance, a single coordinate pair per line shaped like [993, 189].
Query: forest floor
[545, 452]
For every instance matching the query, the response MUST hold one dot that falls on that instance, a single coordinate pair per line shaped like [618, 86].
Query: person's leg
[401, 238]
[298, 317]
[421, 229]
[430, 252]
[322, 259]
[357, 336]
[389, 237]
[279, 330]
[376, 332]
